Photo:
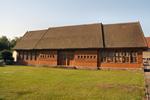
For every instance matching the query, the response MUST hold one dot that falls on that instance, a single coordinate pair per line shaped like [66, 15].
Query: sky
[20, 16]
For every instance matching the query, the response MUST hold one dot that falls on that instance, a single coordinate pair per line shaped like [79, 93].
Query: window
[41, 56]
[35, 55]
[91, 57]
[104, 59]
[94, 57]
[87, 57]
[133, 57]
[71, 56]
[103, 55]
[27, 55]
[78, 57]
[31, 55]
[24, 55]
[126, 57]
[20, 55]
[119, 56]
[110, 57]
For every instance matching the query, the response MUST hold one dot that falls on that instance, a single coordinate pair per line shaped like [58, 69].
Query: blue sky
[19, 16]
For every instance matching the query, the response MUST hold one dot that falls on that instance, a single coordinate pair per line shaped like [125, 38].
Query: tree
[6, 46]
[13, 42]
[1, 56]
[4, 43]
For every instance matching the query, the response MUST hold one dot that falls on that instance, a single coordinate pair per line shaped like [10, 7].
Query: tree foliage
[6, 46]
[13, 42]
[4, 43]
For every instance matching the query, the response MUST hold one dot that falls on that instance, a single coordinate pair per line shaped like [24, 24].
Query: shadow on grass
[20, 93]
[1, 98]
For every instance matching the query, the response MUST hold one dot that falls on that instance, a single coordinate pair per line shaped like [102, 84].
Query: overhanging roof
[69, 37]
[123, 35]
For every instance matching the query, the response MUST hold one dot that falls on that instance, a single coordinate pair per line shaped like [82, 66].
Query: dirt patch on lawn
[120, 86]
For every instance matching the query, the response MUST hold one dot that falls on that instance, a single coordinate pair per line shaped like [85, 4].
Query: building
[84, 46]
[146, 54]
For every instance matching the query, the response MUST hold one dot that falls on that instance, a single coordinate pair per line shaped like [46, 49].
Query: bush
[1, 56]
[1, 60]
[2, 63]
[7, 57]
[9, 62]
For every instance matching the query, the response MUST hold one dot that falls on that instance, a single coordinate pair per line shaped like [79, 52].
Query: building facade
[93, 46]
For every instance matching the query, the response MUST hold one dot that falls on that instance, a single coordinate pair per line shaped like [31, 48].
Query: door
[65, 57]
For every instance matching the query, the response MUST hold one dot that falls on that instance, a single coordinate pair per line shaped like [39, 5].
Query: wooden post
[66, 59]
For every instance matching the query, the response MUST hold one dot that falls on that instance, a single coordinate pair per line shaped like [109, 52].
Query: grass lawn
[38, 83]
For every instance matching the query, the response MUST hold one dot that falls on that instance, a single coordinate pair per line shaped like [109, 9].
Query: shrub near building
[7, 57]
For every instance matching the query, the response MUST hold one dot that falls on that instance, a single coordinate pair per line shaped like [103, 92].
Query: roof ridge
[120, 23]
[38, 30]
[75, 25]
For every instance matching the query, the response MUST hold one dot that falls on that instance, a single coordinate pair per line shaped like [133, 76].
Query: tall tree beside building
[6, 46]
[4, 43]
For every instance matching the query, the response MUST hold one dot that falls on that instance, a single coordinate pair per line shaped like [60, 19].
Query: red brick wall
[117, 65]
[43, 58]
[82, 59]
[50, 59]
[85, 59]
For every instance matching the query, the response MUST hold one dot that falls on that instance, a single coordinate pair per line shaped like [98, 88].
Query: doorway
[65, 58]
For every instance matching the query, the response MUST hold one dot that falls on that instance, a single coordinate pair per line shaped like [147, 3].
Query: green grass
[38, 83]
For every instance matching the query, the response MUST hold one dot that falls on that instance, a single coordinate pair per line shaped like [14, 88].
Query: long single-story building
[84, 46]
